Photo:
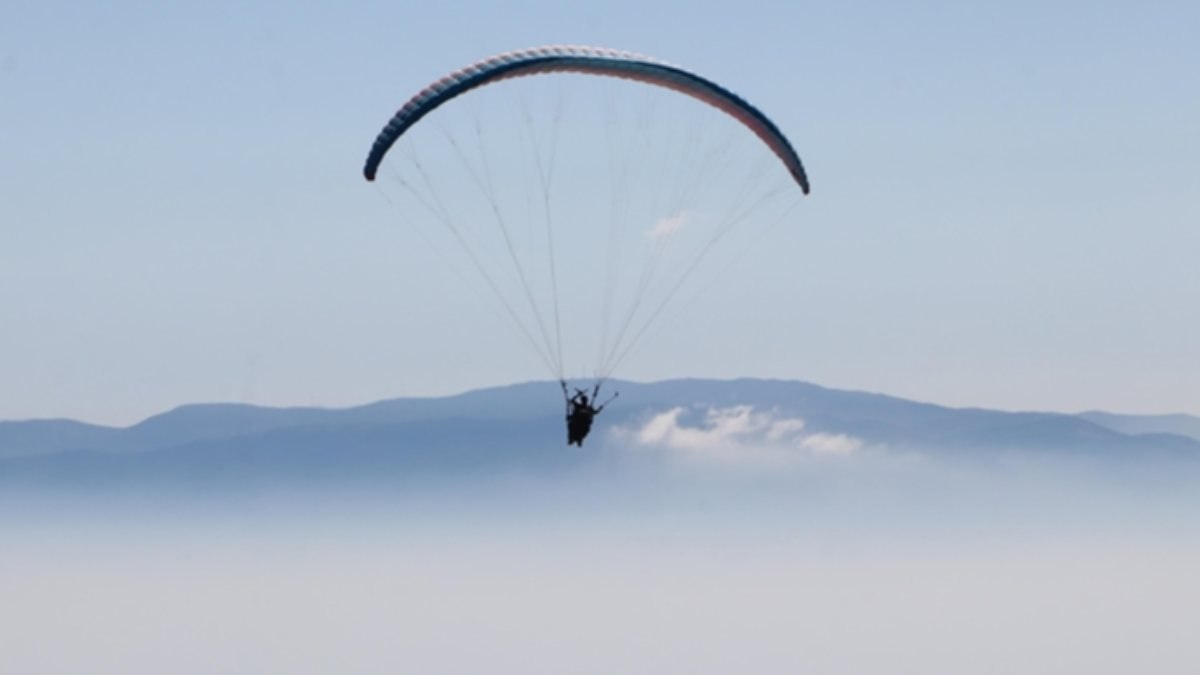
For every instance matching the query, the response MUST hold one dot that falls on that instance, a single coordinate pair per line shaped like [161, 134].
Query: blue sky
[1003, 209]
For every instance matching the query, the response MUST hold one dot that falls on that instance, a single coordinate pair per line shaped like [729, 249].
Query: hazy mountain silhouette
[496, 429]
[1179, 424]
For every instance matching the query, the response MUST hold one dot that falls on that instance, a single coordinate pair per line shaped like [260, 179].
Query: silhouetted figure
[580, 413]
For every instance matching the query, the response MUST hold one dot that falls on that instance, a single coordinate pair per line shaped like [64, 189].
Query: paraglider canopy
[585, 191]
[591, 61]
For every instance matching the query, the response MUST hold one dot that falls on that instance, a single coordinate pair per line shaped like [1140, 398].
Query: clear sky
[1004, 208]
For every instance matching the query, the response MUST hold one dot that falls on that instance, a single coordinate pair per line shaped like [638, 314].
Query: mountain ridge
[875, 418]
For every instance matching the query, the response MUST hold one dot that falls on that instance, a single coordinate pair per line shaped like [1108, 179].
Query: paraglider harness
[581, 412]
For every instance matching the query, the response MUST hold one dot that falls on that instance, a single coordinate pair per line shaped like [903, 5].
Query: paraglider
[698, 193]
[581, 412]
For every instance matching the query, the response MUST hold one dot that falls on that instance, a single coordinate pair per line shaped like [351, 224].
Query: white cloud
[737, 433]
[665, 227]
[831, 444]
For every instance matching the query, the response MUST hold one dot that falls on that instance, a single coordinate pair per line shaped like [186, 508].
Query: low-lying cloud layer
[737, 434]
